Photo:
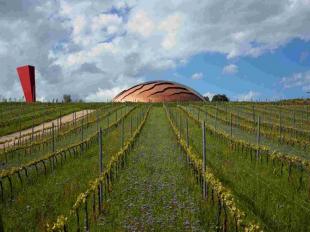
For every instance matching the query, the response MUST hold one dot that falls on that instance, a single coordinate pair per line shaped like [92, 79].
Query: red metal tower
[27, 79]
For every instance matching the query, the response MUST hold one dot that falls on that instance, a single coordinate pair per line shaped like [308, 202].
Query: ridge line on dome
[183, 92]
[170, 87]
[142, 85]
[154, 85]
[118, 95]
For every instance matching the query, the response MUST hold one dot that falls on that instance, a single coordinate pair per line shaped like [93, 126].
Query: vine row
[103, 182]
[224, 194]
[51, 159]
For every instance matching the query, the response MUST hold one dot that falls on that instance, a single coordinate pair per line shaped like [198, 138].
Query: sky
[248, 50]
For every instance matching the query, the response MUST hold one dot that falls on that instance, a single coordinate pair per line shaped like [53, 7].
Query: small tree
[220, 97]
[67, 98]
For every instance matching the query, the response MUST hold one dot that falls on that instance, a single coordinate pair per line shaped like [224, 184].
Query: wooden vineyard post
[130, 126]
[231, 128]
[280, 126]
[86, 222]
[108, 124]
[43, 125]
[87, 118]
[97, 120]
[116, 115]
[253, 114]
[6, 155]
[82, 130]
[32, 129]
[53, 136]
[122, 144]
[141, 115]
[216, 117]
[302, 119]
[294, 123]
[215, 120]
[198, 114]
[180, 124]
[258, 137]
[58, 125]
[187, 136]
[137, 121]
[100, 168]
[60, 122]
[226, 111]
[204, 159]
[20, 130]
[53, 146]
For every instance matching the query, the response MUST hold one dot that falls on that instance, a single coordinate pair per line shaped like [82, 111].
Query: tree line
[217, 97]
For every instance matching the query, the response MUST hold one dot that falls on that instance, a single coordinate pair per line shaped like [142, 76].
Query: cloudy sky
[94, 49]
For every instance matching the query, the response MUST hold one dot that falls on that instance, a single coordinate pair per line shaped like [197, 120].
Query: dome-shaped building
[158, 91]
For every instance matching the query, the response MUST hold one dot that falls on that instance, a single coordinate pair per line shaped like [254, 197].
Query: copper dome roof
[158, 91]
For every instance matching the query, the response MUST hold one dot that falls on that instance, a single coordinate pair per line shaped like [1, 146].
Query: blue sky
[260, 75]
[248, 50]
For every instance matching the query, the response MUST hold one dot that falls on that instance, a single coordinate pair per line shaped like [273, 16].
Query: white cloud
[209, 95]
[249, 96]
[127, 40]
[141, 23]
[104, 94]
[197, 76]
[171, 26]
[297, 80]
[106, 20]
[230, 69]
[79, 24]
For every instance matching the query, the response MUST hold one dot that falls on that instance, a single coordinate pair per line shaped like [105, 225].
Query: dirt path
[64, 119]
[156, 191]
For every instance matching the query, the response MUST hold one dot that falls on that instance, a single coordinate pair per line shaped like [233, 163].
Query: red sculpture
[27, 79]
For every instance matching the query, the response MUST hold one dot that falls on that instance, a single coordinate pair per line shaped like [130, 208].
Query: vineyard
[154, 167]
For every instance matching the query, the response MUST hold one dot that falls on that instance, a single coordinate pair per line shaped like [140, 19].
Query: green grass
[156, 191]
[277, 202]
[42, 199]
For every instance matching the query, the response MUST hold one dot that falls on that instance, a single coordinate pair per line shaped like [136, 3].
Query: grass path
[156, 191]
